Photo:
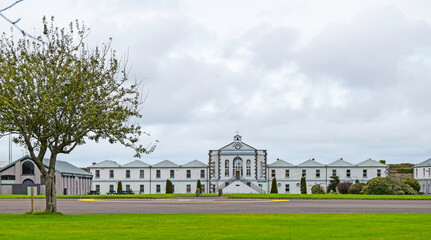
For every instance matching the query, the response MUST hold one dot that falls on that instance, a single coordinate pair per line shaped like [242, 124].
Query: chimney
[278, 159]
[94, 163]
[312, 159]
[341, 158]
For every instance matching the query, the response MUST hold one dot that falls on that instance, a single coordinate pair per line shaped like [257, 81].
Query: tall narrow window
[334, 172]
[364, 173]
[237, 165]
[141, 174]
[189, 188]
[248, 168]
[317, 173]
[157, 173]
[304, 173]
[287, 173]
[158, 188]
[379, 173]
[273, 173]
[127, 173]
[111, 188]
[141, 189]
[172, 174]
[287, 188]
[202, 173]
[189, 173]
[348, 173]
[97, 173]
[226, 168]
[111, 173]
[98, 188]
[127, 187]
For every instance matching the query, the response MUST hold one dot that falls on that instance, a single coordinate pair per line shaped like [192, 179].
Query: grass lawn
[330, 196]
[265, 196]
[218, 226]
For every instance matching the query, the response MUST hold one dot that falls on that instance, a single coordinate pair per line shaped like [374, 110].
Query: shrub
[274, 186]
[169, 187]
[317, 189]
[119, 186]
[199, 186]
[413, 183]
[332, 187]
[356, 188]
[387, 185]
[343, 187]
[303, 186]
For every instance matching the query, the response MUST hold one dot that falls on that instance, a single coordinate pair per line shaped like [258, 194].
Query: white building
[143, 178]
[422, 172]
[234, 168]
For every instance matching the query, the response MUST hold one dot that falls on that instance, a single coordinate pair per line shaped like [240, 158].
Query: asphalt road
[216, 205]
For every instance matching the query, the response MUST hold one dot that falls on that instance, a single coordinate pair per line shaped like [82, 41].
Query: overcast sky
[301, 79]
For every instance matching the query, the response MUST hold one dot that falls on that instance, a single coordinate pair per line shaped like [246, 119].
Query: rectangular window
[248, 172]
[111, 173]
[172, 174]
[157, 188]
[304, 173]
[157, 173]
[287, 173]
[141, 189]
[423, 171]
[226, 171]
[189, 188]
[127, 173]
[97, 173]
[127, 187]
[317, 173]
[97, 188]
[348, 173]
[203, 188]
[417, 173]
[273, 173]
[364, 173]
[202, 173]
[141, 174]
[379, 173]
[287, 188]
[334, 172]
[189, 174]
[111, 188]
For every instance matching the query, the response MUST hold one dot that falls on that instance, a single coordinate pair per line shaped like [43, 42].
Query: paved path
[214, 205]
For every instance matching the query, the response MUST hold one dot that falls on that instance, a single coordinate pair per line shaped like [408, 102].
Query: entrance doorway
[237, 175]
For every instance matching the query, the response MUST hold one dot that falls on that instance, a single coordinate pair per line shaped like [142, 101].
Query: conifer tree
[199, 186]
[119, 186]
[303, 186]
[169, 187]
[274, 186]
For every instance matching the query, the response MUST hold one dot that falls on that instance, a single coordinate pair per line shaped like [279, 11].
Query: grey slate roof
[60, 166]
[136, 163]
[65, 167]
[195, 163]
[425, 163]
[280, 163]
[340, 163]
[105, 164]
[165, 163]
[371, 163]
[310, 163]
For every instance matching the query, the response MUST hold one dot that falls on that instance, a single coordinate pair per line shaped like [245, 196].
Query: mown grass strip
[250, 196]
[218, 226]
[330, 196]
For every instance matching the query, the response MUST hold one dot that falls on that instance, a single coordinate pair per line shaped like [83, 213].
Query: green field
[218, 226]
[265, 196]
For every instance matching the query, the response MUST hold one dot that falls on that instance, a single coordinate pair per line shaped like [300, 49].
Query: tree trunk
[51, 200]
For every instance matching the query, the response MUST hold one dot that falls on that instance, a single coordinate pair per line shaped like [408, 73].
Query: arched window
[248, 168]
[226, 168]
[28, 168]
[237, 164]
